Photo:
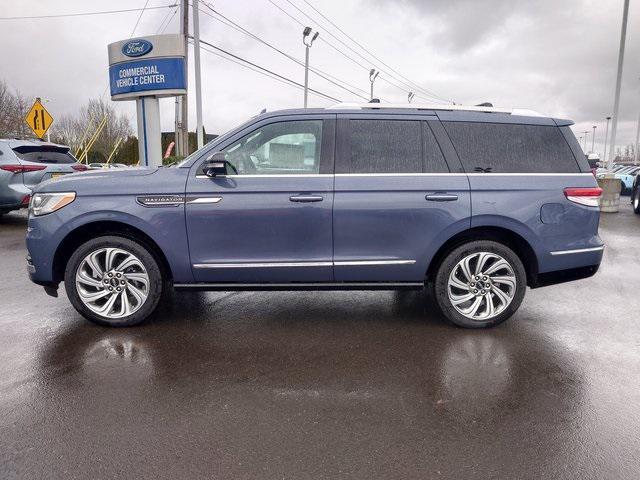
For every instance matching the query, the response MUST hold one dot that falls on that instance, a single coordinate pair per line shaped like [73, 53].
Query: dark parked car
[26, 163]
[351, 197]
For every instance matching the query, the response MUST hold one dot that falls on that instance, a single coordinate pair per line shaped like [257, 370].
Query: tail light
[26, 200]
[588, 196]
[22, 168]
[78, 167]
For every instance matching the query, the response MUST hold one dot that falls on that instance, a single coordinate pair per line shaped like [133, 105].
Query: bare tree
[77, 130]
[13, 109]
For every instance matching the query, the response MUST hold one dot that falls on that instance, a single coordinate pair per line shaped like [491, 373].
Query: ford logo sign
[136, 48]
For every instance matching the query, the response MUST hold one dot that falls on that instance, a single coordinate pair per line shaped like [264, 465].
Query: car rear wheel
[113, 281]
[480, 284]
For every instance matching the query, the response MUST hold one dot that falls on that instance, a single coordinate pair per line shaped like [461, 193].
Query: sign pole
[196, 61]
[149, 138]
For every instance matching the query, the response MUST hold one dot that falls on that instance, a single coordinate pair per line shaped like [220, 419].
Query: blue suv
[473, 203]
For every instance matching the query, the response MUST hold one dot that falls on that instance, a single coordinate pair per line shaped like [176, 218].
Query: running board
[227, 287]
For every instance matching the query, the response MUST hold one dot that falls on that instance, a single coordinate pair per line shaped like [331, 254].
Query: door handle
[306, 198]
[441, 197]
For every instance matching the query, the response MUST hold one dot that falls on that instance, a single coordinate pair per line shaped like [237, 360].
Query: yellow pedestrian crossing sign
[38, 119]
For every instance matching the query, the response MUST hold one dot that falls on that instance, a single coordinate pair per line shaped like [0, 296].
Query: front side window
[278, 148]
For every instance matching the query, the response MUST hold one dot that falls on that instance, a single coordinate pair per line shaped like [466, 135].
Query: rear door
[396, 196]
[268, 219]
[518, 170]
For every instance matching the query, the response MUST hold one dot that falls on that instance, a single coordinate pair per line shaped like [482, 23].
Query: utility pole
[182, 110]
[586, 132]
[410, 96]
[593, 139]
[616, 102]
[196, 60]
[307, 39]
[373, 74]
[606, 137]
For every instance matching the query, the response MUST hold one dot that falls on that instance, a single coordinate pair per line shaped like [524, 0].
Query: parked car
[627, 177]
[26, 163]
[102, 165]
[363, 197]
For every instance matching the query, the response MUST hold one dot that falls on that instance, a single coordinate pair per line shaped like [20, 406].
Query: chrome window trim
[578, 250]
[373, 262]
[450, 174]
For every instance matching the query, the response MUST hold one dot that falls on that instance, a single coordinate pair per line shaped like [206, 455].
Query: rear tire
[635, 200]
[479, 284]
[113, 281]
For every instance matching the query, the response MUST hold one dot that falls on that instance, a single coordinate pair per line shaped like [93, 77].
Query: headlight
[44, 203]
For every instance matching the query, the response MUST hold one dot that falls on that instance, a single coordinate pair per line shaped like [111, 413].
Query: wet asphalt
[365, 385]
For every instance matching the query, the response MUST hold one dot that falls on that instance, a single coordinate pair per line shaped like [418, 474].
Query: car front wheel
[113, 281]
[480, 284]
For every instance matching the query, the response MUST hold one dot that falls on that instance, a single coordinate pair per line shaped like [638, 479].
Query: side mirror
[215, 165]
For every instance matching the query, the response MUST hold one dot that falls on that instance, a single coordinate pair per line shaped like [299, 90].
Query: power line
[371, 54]
[105, 12]
[248, 62]
[365, 67]
[334, 80]
[167, 20]
[139, 17]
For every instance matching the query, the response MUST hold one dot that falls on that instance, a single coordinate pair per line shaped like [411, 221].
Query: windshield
[44, 154]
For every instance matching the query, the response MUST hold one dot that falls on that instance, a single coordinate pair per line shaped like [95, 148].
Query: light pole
[373, 74]
[635, 150]
[586, 133]
[616, 102]
[593, 139]
[307, 39]
[409, 96]
[606, 137]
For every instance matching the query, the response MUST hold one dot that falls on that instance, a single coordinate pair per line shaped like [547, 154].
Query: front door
[269, 218]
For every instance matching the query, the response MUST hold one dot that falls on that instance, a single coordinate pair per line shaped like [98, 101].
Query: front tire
[480, 284]
[113, 281]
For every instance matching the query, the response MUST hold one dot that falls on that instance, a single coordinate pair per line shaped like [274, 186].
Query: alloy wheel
[112, 282]
[481, 285]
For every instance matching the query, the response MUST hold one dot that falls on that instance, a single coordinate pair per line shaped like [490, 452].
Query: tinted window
[44, 154]
[433, 158]
[278, 148]
[511, 148]
[385, 146]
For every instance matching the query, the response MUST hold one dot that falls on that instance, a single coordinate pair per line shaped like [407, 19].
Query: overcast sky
[556, 57]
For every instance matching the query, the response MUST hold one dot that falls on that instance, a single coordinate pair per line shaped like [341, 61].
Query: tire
[635, 200]
[108, 269]
[504, 282]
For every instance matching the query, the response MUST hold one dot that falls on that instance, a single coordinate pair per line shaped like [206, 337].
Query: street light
[586, 132]
[593, 139]
[307, 39]
[606, 137]
[409, 96]
[373, 74]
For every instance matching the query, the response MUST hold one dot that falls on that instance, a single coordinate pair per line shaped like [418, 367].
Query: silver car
[26, 163]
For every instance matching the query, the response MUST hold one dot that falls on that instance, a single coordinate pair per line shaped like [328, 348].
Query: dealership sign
[150, 66]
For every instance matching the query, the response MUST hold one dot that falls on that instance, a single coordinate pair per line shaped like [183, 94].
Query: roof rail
[426, 106]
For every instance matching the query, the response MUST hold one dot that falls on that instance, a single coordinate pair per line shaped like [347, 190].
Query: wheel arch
[94, 229]
[507, 237]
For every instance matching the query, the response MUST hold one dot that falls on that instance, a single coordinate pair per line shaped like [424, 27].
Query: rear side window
[394, 146]
[44, 154]
[386, 146]
[511, 148]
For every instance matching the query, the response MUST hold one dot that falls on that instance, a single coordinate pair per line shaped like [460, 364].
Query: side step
[227, 287]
